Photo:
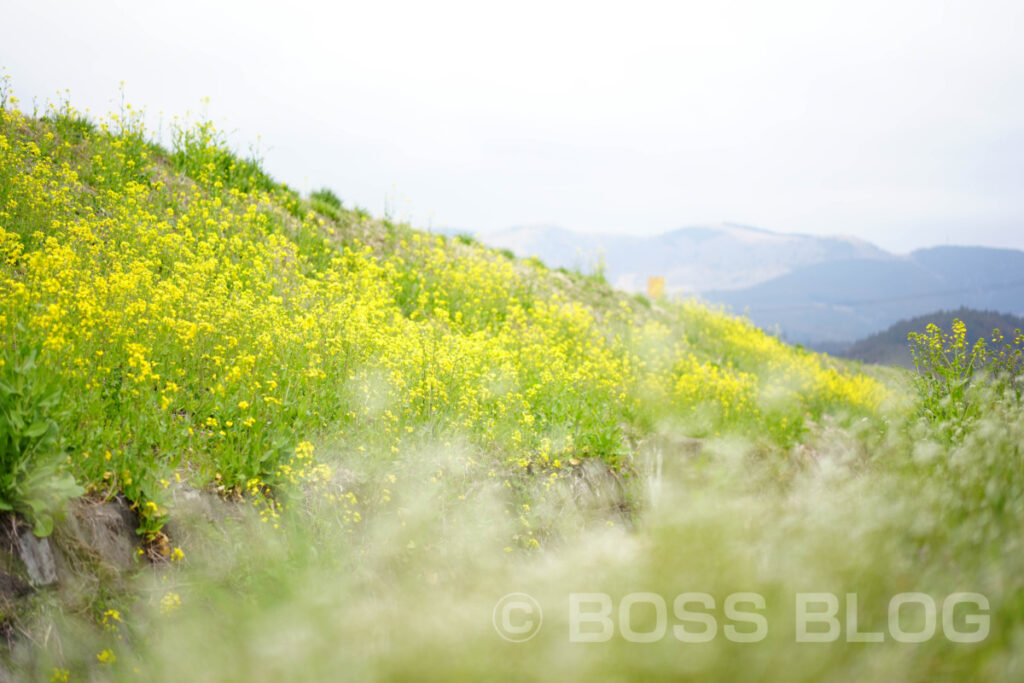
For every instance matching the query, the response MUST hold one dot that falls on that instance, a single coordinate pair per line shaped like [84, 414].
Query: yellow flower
[170, 602]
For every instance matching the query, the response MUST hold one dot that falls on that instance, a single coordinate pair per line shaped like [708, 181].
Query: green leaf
[37, 429]
[43, 525]
[65, 487]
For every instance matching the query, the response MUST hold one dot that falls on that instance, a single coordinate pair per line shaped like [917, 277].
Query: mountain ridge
[845, 300]
[811, 289]
[692, 259]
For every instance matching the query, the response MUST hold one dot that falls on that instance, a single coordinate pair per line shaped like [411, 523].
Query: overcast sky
[898, 122]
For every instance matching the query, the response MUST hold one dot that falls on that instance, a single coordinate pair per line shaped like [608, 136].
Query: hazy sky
[899, 122]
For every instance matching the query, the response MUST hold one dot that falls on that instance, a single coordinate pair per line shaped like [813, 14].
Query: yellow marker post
[655, 287]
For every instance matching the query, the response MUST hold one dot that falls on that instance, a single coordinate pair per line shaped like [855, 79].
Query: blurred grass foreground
[248, 435]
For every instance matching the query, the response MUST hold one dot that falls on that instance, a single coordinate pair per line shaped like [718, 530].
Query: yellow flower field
[203, 320]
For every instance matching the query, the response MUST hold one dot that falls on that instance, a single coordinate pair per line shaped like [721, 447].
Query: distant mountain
[692, 260]
[818, 291]
[844, 300]
[890, 346]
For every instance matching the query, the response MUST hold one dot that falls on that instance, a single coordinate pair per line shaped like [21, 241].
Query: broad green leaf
[37, 429]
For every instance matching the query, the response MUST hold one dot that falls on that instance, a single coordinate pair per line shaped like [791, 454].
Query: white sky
[898, 122]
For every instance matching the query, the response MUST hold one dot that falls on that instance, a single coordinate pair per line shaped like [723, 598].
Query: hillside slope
[204, 323]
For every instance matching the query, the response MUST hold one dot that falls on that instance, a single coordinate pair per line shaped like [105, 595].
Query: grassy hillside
[201, 321]
[343, 440]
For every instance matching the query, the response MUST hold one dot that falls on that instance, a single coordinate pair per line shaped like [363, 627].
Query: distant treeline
[890, 346]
